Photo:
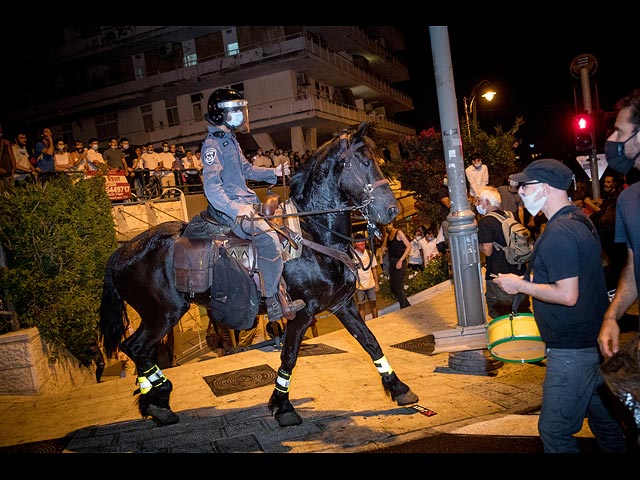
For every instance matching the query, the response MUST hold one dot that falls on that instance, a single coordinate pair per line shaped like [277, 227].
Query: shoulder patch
[209, 155]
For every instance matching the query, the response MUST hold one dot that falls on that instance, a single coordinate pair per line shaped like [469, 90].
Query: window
[107, 126]
[233, 49]
[147, 117]
[190, 60]
[172, 111]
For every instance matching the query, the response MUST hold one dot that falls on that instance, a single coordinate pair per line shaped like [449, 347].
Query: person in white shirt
[94, 158]
[477, 175]
[367, 284]
[165, 164]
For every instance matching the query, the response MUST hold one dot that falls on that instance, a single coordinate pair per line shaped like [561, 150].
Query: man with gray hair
[499, 302]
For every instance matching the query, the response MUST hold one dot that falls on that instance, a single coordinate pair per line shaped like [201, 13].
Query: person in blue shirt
[232, 203]
[44, 151]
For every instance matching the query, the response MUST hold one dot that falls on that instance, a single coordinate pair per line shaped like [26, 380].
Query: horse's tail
[113, 314]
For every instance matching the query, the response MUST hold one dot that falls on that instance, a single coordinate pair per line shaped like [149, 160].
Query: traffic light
[583, 131]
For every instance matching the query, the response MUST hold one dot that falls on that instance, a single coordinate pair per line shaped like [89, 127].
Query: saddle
[197, 250]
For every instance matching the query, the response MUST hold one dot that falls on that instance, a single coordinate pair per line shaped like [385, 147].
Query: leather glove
[283, 166]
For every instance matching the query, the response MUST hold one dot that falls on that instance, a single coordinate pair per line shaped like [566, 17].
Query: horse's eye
[366, 162]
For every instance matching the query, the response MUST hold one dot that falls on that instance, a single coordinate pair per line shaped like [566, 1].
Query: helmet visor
[236, 117]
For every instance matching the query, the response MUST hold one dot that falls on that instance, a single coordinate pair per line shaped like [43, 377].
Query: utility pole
[463, 228]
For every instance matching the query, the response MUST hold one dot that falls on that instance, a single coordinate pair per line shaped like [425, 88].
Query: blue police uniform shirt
[226, 171]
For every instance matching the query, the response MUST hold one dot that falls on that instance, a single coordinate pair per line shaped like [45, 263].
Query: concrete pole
[463, 228]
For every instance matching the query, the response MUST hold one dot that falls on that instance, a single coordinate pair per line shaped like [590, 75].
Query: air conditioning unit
[303, 80]
[166, 50]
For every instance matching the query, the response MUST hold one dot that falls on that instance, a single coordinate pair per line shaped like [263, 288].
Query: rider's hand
[246, 210]
[279, 168]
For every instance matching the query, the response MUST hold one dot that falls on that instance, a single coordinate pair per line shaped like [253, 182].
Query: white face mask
[532, 204]
[481, 210]
[235, 119]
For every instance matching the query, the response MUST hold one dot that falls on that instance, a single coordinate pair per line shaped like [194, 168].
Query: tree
[57, 236]
[422, 165]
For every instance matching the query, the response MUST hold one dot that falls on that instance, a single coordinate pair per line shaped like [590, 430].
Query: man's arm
[626, 295]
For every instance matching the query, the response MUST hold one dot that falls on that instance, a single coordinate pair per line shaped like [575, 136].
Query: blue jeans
[569, 394]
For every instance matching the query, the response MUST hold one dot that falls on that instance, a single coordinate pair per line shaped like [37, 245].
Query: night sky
[529, 67]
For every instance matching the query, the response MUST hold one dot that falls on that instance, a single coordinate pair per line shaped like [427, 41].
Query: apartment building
[151, 83]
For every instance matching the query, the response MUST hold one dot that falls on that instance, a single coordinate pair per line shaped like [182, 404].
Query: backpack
[519, 243]
[234, 294]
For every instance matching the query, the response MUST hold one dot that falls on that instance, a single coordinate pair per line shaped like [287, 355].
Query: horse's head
[361, 179]
[344, 174]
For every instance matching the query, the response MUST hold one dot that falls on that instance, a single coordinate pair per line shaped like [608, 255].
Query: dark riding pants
[268, 247]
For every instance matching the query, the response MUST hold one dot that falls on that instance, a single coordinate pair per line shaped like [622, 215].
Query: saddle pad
[193, 264]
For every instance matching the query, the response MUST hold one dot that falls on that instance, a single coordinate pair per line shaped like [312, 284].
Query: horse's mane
[311, 167]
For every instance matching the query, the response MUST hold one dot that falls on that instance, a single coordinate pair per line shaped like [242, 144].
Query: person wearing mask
[231, 201]
[114, 156]
[622, 152]
[367, 282]
[62, 158]
[79, 157]
[94, 157]
[569, 300]
[398, 250]
[499, 302]
[477, 175]
[418, 256]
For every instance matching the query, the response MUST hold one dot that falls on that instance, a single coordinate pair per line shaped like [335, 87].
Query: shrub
[57, 237]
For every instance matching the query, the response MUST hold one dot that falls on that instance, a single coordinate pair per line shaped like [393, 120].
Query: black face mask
[614, 153]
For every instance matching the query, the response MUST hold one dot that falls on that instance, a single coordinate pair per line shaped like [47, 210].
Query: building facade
[151, 83]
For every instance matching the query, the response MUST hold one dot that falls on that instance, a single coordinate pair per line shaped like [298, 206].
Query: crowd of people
[149, 170]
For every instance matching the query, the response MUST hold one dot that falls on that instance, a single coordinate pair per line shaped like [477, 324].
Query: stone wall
[25, 367]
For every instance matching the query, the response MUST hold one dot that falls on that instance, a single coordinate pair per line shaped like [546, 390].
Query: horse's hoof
[162, 416]
[288, 419]
[407, 398]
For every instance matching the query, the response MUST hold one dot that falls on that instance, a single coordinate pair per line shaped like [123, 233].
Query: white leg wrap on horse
[382, 364]
[283, 381]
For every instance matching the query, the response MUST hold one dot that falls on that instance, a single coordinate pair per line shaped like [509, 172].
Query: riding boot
[278, 306]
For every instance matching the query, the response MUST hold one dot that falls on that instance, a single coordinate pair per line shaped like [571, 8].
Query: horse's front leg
[399, 391]
[279, 404]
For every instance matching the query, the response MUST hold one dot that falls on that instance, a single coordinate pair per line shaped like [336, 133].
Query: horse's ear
[362, 130]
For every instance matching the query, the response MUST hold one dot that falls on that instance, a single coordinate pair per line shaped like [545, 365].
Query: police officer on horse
[231, 202]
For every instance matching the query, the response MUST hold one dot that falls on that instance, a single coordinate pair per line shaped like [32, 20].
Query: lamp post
[469, 109]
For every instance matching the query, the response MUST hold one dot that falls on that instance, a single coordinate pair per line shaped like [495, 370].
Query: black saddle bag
[234, 294]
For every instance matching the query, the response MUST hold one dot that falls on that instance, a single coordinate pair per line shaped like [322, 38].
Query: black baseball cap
[546, 170]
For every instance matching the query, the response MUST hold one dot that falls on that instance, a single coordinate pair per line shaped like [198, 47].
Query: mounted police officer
[232, 202]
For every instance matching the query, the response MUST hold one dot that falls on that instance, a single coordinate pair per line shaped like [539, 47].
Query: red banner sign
[116, 184]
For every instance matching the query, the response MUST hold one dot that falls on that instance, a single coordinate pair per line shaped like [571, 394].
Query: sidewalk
[335, 389]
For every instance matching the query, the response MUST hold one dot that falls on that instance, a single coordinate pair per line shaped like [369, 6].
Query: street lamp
[487, 95]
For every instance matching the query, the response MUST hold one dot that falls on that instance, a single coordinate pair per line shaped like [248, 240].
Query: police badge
[209, 155]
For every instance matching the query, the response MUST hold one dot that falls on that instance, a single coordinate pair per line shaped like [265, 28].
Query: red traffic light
[582, 123]
[583, 131]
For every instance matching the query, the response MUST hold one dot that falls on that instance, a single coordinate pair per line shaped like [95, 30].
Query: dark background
[529, 66]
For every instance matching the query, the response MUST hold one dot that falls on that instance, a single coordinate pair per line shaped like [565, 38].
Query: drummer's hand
[508, 282]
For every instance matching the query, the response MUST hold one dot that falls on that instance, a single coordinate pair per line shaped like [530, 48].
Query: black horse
[342, 176]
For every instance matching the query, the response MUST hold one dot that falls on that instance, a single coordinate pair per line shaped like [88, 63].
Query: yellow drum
[515, 338]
